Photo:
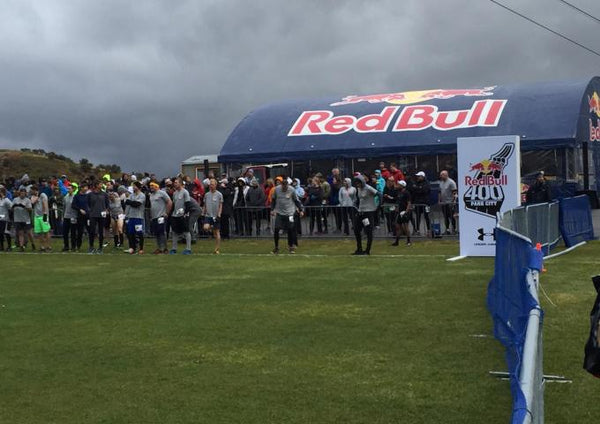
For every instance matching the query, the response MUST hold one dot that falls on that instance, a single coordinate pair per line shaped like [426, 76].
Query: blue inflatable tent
[546, 115]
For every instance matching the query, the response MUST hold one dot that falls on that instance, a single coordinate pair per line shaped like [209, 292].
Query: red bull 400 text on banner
[488, 183]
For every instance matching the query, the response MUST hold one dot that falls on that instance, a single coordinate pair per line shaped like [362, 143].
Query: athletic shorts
[180, 224]
[39, 226]
[282, 222]
[403, 219]
[214, 223]
[156, 228]
[135, 226]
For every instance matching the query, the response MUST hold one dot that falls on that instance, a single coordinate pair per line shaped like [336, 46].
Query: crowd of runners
[119, 213]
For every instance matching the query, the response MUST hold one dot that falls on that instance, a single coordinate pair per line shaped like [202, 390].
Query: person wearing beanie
[404, 213]
[365, 216]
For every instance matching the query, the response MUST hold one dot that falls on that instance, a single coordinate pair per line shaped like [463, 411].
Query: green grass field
[247, 337]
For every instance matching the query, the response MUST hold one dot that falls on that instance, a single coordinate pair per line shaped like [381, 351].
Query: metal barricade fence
[331, 221]
[538, 222]
[318, 221]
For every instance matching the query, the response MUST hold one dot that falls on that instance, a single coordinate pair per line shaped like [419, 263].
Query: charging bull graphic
[486, 182]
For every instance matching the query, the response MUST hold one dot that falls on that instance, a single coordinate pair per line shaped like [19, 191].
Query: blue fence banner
[576, 220]
[510, 302]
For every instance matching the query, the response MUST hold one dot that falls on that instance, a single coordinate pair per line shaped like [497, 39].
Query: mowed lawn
[247, 337]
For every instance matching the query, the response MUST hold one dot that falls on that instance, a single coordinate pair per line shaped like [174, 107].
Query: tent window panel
[369, 165]
[322, 166]
[535, 161]
[428, 164]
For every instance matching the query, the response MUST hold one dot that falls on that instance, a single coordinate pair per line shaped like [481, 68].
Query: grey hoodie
[366, 196]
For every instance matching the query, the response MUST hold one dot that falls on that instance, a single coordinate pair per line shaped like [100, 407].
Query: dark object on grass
[591, 363]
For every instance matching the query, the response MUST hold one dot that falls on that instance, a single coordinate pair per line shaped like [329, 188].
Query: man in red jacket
[395, 172]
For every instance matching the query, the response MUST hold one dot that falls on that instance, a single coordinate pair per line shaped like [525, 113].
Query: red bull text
[483, 113]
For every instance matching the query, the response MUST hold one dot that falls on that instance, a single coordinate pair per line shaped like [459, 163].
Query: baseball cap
[402, 183]
[420, 174]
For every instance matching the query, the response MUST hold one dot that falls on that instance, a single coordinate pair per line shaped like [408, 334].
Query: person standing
[365, 216]
[404, 213]
[390, 205]
[179, 222]
[22, 208]
[326, 187]
[69, 220]
[447, 198]
[420, 192]
[117, 216]
[284, 203]
[240, 213]
[5, 207]
[160, 208]
[347, 198]
[314, 196]
[134, 213]
[41, 226]
[80, 205]
[98, 211]
[213, 208]
[255, 201]
[226, 189]
[539, 191]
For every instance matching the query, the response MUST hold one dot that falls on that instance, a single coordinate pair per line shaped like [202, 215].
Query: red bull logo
[485, 192]
[483, 113]
[486, 167]
[411, 97]
[594, 103]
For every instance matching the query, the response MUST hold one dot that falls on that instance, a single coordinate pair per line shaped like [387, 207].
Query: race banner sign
[489, 181]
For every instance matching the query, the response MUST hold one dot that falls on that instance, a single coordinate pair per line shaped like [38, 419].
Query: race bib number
[366, 222]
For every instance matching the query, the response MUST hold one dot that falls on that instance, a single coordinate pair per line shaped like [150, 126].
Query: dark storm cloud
[147, 84]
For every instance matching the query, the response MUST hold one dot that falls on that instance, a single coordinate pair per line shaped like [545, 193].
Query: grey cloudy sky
[147, 84]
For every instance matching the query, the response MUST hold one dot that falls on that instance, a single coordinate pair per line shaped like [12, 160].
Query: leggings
[69, 232]
[96, 223]
[358, 227]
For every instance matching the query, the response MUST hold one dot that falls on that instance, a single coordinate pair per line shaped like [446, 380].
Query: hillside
[38, 163]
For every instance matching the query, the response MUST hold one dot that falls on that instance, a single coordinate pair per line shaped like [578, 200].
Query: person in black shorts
[404, 213]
